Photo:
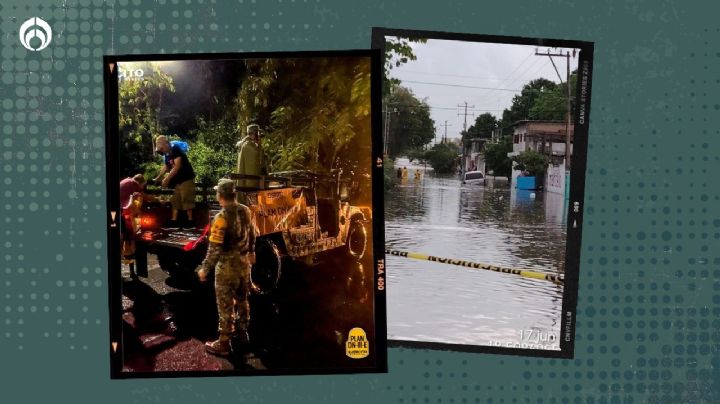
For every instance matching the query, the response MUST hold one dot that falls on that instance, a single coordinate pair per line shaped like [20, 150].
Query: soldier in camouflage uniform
[251, 159]
[232, 249]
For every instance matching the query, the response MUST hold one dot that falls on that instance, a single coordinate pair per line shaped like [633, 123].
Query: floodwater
[434, 302]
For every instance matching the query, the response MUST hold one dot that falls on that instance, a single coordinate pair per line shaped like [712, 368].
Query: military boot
[241, 336]
[130, 261]
[220, 347]
[239, 339]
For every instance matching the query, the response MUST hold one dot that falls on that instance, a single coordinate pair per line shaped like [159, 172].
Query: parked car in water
[474, 178]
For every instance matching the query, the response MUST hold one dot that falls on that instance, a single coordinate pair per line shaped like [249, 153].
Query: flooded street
[434, 302]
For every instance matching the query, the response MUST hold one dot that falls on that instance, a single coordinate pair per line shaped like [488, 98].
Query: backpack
[182, 144]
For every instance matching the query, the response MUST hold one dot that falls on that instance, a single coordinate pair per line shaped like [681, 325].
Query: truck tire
[265, 274]
[357, 239]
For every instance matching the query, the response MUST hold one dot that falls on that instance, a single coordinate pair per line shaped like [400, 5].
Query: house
[549, 138]
[546, 137]
[473, 157]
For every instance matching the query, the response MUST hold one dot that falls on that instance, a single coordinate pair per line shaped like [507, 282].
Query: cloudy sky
[485, 75]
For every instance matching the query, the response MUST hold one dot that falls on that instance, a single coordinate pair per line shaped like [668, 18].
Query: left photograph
[245, 218]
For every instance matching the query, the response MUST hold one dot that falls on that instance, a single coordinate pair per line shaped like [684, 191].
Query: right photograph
[485, 143]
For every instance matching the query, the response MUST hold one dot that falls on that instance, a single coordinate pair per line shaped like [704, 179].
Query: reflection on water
[435, 302]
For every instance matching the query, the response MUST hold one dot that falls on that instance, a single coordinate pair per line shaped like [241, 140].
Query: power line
[433, 106]
[475, 109]
[523, 75]
[514, 90]
[547, 62]
[451, 75]
[530, 66]
[520, 76]
[518, 66]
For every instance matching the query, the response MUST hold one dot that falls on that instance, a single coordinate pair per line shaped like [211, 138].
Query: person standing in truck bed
[251, 159]
[180, 177]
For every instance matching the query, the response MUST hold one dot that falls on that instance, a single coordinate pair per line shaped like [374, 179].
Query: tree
[443, 158]
[410, 125]
[204, 89]
[483, 127]
[185, 100]
[496, 157]
[315, 112]
[397, 52]
[534, 163]
[523, 102]
[138, 118]
[552, 104]
[213, 153]
[415, 154]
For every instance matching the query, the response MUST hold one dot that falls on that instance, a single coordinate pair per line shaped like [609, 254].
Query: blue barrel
[525, 183]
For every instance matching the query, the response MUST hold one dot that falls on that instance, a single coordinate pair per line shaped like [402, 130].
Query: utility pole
[569, 97]
[466, 114]
[462, 164]
[444, 139]
[568, 145]
[386, 131]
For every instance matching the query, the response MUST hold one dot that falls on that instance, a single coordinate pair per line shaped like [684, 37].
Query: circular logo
[35, 28]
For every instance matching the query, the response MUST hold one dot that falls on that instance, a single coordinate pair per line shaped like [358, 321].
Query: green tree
[534, 163]
[483, 127]
[398, 51]
[552, 104]
[496, 157]
[213, 154]
[140, 105]
[315, 113]
[443, 158]
[410, 126]
[415, 154]
[523, 102]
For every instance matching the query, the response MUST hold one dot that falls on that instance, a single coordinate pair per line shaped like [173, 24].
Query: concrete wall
[514, 173]
[555, 179]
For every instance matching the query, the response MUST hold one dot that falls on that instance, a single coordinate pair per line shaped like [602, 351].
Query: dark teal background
[649, 299]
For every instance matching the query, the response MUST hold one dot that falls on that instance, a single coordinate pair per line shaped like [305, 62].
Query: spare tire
[265, 274]
[357, 239]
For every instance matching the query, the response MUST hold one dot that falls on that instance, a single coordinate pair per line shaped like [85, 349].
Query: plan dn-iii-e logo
[35, 29]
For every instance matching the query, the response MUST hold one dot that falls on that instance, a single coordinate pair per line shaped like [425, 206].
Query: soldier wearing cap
[251, 160]
[231, 253]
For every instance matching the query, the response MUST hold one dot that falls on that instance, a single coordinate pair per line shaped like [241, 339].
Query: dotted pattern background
[649, 298]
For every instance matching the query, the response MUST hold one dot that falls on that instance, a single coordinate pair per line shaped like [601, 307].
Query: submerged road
[494, 224]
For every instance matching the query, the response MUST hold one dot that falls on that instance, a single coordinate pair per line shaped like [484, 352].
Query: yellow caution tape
[478, 265]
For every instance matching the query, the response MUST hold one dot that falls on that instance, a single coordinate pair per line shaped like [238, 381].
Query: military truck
[297, 215]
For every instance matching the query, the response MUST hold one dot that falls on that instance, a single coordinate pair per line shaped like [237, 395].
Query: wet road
[442, 303]
[302, 325]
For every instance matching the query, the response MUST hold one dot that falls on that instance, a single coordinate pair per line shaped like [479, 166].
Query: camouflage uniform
[251, 160]
[232, 237]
